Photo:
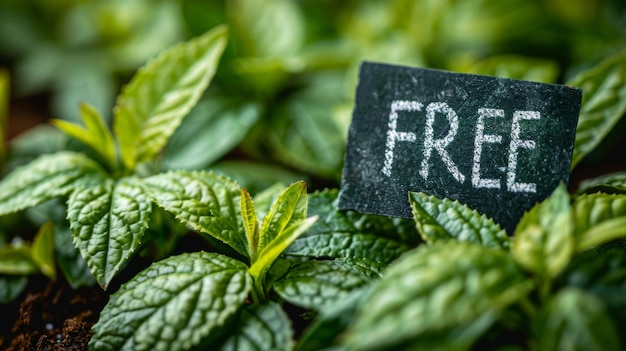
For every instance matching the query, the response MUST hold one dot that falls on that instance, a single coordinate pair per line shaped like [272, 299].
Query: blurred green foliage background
[280, 105]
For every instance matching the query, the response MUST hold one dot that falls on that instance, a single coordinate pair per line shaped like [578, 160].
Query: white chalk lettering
[440, 145]
[481, 138]
[517, 143]
[393, 135]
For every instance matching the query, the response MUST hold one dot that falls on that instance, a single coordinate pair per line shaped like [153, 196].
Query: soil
[51, 316]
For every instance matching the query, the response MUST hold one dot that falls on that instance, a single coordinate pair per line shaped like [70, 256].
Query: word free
[497, 145]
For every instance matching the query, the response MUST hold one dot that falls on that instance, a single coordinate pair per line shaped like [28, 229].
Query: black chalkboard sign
[497, 145]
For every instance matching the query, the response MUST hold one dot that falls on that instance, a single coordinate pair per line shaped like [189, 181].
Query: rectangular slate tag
[497, 145]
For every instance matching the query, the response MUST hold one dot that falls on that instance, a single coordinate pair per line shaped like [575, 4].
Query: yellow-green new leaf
[270, 253]
[17, 259]
[96, 133]
[162, 93]
[250, 223]
[43, 250]
[290, 207]
[544, 239]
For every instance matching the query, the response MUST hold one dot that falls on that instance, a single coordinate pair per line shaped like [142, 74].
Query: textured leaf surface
[439, 219]
[108, 222]
[45, 178]
[428, 299]
[603, 105]
[577, 320]
[259, 328]
[318, 285]
[349, 234]
[173, 304]
[544, 239]
[599, 218]
[162, 93]
[207, 202]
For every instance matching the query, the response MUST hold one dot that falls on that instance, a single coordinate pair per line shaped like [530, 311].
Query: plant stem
[258, 291]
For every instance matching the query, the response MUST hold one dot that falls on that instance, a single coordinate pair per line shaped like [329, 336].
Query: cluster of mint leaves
[470, 284]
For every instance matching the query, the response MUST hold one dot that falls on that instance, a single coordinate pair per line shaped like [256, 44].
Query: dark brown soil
[53, 316]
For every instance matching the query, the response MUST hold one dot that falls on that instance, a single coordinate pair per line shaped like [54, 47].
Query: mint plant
[555, 283]
[108, 207]
[111, 189]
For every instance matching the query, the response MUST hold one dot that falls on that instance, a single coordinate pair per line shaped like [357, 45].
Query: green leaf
[428, 300]
[47, 177]
[260, 327]
[173, 305]
[207, 202]
[72, 264]
[266, 28]
[544, 238]
[614, 183]
[599, 218]
[33, 143]
[264, 200]
[11, 286]
[250, 224]
[162, 93]
[43, 250]
[4, 112]
[108, 222]
[349, 234]
[601, 271]
[576, 320]
[603, 105]
[304, 134]
[223, 121]
[319, 285]
[17, 259]
[289, 208]
[331, 322]
[274, 248]
[445, 219]
[96, 134]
